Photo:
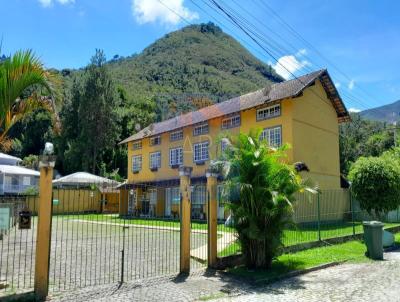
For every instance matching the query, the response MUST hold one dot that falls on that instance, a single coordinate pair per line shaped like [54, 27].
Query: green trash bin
[373, 239]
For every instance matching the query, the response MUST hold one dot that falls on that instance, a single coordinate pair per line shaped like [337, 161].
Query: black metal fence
[17, 244]
[140, 239]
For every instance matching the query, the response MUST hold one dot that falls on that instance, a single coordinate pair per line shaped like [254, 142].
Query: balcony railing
[10, 188]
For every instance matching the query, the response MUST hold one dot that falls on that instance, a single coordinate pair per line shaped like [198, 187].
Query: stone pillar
[185, 213]
[212, 217]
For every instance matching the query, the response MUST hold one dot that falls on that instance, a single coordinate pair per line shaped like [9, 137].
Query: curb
[299, 272]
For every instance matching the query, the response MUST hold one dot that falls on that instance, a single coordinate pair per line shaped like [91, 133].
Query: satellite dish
[137, 127]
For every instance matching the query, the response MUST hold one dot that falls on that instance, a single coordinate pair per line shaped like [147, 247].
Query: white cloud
[337, 84]
[288, 65]
[301, 52]
[166, 12]
[351, 84]
[48, 3]
[356, 110]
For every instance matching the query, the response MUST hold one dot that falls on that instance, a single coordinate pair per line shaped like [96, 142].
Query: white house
[15, 179]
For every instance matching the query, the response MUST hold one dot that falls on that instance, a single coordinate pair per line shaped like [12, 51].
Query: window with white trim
[231, 122]
[176, 135]
[137, 145]
[200, 129]
[136, 163]
[175, 156]
[155, 141]
[26, 180]
[200, 152]
[268, 112]
[155, 160]
[273, 136]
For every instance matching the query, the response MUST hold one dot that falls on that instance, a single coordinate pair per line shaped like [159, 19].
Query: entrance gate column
[185, 212]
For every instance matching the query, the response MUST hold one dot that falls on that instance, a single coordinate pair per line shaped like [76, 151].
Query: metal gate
[91, 245]
[17, 244]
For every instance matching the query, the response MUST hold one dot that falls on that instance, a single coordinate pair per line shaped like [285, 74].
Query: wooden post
[42, 262]
[185, 212]
[212, 218]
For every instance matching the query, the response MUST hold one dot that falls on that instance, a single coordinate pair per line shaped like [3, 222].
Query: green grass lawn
[352, 251]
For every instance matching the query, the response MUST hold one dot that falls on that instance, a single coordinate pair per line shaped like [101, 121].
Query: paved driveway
[374, 281]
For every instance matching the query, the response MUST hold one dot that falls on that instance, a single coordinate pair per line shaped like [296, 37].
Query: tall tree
[90, 119]
[21, 73]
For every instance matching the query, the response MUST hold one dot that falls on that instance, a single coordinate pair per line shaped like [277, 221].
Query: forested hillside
[186, 69]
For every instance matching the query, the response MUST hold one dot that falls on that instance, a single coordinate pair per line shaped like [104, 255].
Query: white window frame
[273, 135]
[224, 145]
[201, 129]
[136, 163]
[155, 160]
[137, 145]
[176, 156]
[26, 180]
[231, 122]
[176, 136]
[200, 152]
[269, 112]
[156, 140]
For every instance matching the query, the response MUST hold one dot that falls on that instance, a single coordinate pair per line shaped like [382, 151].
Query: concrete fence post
[185, 213]
[42, 261]
[212, 218]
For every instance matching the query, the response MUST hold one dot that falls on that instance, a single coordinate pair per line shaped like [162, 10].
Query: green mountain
[387, 113]
[197, 59]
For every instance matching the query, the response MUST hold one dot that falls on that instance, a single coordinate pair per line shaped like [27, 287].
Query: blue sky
[361, 38]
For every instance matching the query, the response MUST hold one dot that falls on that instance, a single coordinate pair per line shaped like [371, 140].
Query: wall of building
[248, 122]
[316, 136]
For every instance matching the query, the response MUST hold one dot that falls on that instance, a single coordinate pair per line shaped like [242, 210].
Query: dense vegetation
[186, 69]
[362, 137]
[376, 184]
[259, 192]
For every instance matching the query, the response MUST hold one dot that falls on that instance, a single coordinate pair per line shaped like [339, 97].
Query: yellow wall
[316, 137]
[309, 124]
[249, 122]
[72, 201]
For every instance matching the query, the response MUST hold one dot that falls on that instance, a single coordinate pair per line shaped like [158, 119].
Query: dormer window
[200, 129]
[156, 140]
[268, 112]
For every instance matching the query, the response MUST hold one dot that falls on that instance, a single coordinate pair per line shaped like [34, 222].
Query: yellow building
[304, 112]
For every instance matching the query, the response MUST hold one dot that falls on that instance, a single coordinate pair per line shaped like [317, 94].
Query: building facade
[303, 112]
[14, 179]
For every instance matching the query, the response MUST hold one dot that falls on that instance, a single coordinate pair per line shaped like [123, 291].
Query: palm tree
[22, 80]
[259, 190]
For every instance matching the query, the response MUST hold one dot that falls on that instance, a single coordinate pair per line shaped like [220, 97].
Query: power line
[300, 37]
[254, 30]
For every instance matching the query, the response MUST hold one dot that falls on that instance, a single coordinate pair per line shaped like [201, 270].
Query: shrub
[259, 191]
[376, 184]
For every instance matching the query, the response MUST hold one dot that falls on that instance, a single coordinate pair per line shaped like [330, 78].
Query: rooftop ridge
[276, 91]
